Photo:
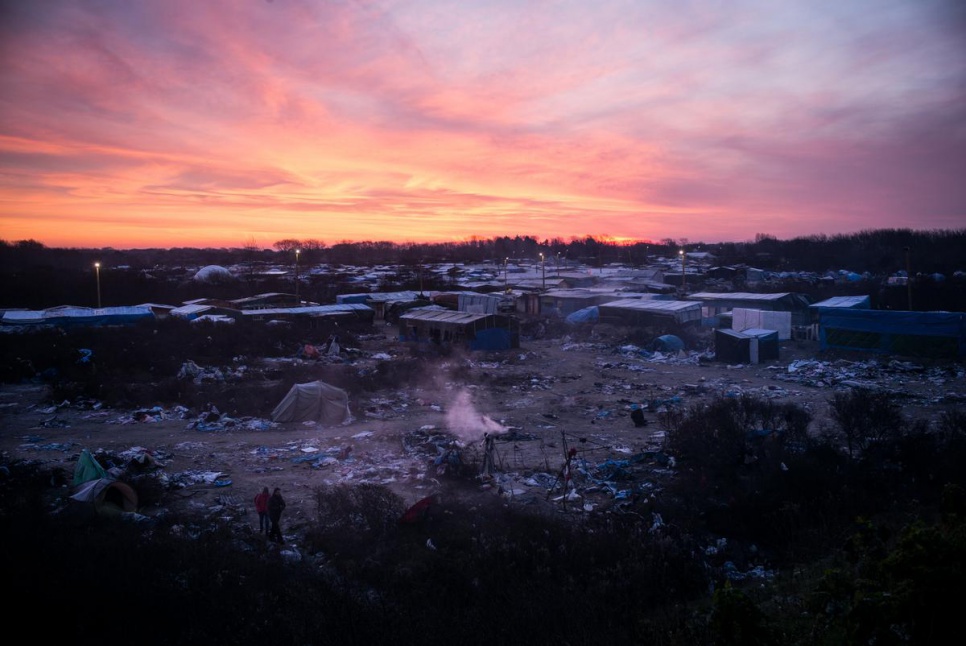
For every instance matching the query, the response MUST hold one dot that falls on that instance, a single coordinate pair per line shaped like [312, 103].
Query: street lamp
[97, 274]
[297, 301]
[684, 275]
[543, 266]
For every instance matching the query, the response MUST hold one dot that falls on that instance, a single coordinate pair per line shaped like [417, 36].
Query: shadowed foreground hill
[864, 548]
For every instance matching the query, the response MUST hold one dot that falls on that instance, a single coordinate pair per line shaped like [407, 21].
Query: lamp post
[543, 268]
[297, 301]
[684, 275]
[558, 265]
[97, 275]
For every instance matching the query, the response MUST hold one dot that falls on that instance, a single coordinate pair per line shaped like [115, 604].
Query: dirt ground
[535, 403]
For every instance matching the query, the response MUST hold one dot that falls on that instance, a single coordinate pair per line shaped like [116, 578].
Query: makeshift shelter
[764, 344]
[586, 315]
[713, 304]
[667, 343]
[640, 312]
[314, 401]
[93, 484]
[87, 469]
[380, 302]
[750, 319]
[488, 332]
[564, 302]
[929, 334]
[70, 316]
[194, 311]
[266, 300]
[732, 347]
[108, 496]
[477, 303]
[861, 302]
[214, 274]
[749, 346]
[350, 312]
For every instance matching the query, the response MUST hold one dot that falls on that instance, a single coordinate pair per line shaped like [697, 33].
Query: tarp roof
[187, 310]
[311, 310]
[378, 297]
[637, 310]
[790, 301]
[845, 301]
[654, 306]
[737, 296]
[77, 315]
[448, 316]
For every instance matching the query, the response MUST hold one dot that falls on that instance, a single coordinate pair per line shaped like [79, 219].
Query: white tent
[315, 401]
[214, 274]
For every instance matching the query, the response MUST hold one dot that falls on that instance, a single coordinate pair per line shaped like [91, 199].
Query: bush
[865, 417]
[737, 621]
[729, 433]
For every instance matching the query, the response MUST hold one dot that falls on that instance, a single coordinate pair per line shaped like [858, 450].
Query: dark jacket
[275, 506]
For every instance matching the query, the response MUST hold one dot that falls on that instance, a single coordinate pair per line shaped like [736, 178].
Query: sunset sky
[160, 123]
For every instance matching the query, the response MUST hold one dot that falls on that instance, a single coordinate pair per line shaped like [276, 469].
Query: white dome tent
[214, 274]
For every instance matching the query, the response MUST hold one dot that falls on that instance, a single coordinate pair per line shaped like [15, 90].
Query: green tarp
[87, 469]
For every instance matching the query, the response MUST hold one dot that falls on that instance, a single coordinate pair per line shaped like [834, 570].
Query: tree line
[876, 251]
[35, 276]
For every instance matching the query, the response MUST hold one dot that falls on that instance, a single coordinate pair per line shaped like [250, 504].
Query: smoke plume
[463, 420]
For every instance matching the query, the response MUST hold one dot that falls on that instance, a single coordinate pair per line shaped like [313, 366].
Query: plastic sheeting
[586, 315]
[667, 343]
[314, 401]
[108, 496]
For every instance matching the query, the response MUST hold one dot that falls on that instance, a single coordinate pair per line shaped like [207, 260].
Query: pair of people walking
[269, 509]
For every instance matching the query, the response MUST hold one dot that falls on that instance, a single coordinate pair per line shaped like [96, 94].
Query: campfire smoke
[467, 423]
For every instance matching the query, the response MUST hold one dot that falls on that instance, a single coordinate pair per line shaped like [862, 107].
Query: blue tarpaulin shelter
[585, 315]
[667, 343]
[933, 334]
[69, 316]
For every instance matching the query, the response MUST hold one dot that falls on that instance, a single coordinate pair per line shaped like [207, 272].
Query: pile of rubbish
[892, 377]
[198, 374]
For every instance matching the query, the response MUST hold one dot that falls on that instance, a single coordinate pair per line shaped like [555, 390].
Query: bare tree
[250, 251]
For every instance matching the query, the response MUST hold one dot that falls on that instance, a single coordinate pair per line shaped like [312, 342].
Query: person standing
[261, 507]
[276, 505]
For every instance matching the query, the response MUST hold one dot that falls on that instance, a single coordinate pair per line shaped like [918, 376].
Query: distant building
[929, 334]
[641, 312]
[490, 332]
[381, 302]
[715, 303]
[563, 302]
[350, 312]
[192, 311]
[71, 316]
[268, 300]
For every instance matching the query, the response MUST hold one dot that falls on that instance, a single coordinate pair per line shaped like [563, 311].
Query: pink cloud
[373, 119]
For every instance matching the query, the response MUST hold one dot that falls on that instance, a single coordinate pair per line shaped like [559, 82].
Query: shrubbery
[864, 546]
